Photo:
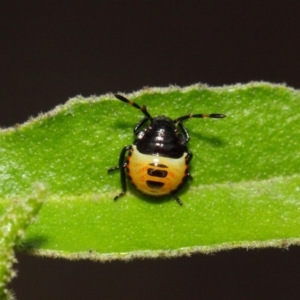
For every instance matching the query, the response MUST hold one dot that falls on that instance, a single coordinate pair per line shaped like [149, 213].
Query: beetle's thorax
[161, 137]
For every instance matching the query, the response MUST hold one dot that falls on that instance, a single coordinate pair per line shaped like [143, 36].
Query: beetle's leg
[176, 199]
[113, 168]
[189, 157]
[122, 166]
[139, 125]
[184, 132]
[187, 161]
[121, 158]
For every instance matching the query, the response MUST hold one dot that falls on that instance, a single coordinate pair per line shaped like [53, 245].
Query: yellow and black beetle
[157, 163]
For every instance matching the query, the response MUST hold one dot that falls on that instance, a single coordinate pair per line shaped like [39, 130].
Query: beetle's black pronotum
[157, 163]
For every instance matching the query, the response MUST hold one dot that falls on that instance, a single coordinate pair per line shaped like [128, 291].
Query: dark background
[52, 51]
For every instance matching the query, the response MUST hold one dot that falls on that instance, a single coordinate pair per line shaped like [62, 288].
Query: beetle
[157, 163]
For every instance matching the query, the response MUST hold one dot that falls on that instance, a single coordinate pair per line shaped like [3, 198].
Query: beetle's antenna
[143, 109]
[189, 116]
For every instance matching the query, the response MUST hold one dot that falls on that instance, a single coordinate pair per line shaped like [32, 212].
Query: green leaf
[12, 228]
[244, 193]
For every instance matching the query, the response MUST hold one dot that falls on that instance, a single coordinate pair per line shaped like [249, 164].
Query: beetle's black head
[162, 123]
[161, 130]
